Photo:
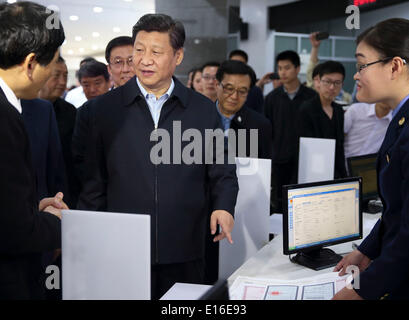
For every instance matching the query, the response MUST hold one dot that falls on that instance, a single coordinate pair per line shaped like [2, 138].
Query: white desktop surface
[185, 291]
[270, 262]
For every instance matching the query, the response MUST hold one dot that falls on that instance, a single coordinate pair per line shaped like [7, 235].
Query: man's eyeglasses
[120, 63]
[229, 90]
[328, 83]
[209, 77]
[360, 67]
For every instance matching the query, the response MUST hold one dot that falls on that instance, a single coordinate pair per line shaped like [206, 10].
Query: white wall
[255, 13]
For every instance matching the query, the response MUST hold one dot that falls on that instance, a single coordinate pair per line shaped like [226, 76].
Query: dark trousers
[282, 174]
[164, 276]
[211, 263]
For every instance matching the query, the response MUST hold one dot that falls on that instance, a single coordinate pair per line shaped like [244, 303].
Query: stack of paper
[321, 287]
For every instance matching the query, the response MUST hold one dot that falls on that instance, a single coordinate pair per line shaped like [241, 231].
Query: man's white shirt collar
[372, 113]
[10, 96]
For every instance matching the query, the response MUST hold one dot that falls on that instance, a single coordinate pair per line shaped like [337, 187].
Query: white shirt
[11, 97]
[364, 131]
[292, 95]
[155, 105]
[76, 97]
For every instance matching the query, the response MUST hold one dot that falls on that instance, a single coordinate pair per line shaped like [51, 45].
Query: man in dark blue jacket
[123, 173]
[249, 131]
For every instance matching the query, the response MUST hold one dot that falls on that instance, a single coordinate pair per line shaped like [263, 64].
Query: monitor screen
[365, 167]
[321, 214]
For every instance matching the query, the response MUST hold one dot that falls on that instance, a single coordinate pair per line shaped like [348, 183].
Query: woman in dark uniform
[383, 76]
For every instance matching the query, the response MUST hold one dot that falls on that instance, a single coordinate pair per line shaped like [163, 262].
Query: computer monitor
[365, 166]
[321, 214]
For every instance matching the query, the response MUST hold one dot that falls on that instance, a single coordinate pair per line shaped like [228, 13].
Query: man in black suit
[281, 107]
[48, 161]
[234, 82]
[28, 51]
[321, 117]
[65, 114]
[118, 54]
[125, 171]
[255, 98]
[94, 78]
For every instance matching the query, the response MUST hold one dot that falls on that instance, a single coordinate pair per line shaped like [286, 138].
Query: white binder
[105, 255]
[252, 214]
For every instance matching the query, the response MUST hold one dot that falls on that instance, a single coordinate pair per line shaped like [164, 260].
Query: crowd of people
[89, 148]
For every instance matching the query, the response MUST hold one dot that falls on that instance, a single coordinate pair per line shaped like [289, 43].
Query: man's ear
[298, 69]
[397, 66]
[179, 55]
[29, 65]
[109, 69]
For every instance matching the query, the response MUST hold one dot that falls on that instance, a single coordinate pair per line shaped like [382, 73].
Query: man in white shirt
[365, 127]
[76, 97]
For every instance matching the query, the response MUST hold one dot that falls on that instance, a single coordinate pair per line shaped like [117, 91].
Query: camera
[322, 35]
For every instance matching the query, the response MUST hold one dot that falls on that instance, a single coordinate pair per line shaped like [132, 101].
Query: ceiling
[89, 32]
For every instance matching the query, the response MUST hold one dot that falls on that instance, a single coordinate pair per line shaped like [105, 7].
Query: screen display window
[323, 214]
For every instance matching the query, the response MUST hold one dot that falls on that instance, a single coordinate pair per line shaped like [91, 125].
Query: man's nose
[93, 88]
[146, 59]
[235, 94]
[62, 81]
[127, 67]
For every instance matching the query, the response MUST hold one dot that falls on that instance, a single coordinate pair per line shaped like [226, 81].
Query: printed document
[321, 287]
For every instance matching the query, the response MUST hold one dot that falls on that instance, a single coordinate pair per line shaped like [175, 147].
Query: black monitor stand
[317, 259]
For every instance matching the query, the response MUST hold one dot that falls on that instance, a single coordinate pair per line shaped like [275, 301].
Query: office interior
[213, 29]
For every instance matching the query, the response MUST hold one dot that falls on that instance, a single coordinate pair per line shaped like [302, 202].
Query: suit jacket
[255, 100]
[248, 119]
[24, 231]
[48, 161]
[282, 113]
[65, 114]
[80, 137]
[245, 119]
[121, 176]
[313, 122]
[387, 244]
